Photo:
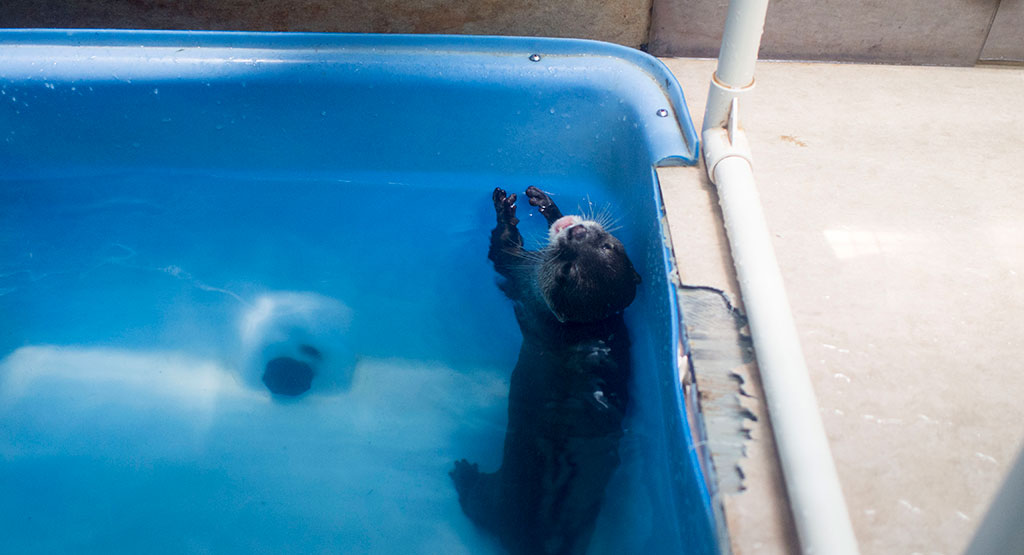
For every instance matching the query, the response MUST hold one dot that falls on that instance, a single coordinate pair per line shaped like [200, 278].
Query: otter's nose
[577, 232]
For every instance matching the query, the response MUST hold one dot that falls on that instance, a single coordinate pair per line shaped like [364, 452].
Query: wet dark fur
[568, 391]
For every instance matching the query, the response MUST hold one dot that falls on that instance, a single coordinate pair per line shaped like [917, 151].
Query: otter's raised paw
[537, 197]
[543, 202]
[504, 206]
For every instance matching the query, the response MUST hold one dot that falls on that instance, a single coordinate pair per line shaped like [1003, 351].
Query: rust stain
[792, 139]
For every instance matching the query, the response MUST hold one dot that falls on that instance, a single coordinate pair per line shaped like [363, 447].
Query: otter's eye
[566, 268]
[607, 246]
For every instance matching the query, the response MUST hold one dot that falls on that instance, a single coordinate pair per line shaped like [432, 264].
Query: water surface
[133, 418]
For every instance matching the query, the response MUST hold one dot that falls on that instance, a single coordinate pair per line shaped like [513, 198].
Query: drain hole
[287, 376]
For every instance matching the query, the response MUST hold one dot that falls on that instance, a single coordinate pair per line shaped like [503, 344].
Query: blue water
[134, 312]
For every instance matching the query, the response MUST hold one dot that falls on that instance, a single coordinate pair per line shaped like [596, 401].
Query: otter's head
[585, 275]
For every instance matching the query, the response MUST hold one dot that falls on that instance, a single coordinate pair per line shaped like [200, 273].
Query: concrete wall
[938, 32]
[620, 21]
[1005, 41]
[942, 32]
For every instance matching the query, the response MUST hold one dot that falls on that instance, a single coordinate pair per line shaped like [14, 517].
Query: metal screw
[662, 113]
[534, 57]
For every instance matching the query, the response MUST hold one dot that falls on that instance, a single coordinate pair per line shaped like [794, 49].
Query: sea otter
[569, 388]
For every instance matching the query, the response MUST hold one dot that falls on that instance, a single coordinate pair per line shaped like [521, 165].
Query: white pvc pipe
[741, 40]
[815, 497]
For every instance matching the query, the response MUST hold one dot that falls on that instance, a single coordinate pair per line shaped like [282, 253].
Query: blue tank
[181, 213]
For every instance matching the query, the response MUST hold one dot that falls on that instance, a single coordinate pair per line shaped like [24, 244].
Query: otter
[569, 389]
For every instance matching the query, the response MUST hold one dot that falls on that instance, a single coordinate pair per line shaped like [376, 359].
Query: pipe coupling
[729, 141]
[720, 97]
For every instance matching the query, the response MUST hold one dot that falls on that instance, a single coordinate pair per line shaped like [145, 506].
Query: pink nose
[562, 223]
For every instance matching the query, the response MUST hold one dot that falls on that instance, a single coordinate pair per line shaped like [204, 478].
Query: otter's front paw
[538, 198]
[544, 204]
[504, 206]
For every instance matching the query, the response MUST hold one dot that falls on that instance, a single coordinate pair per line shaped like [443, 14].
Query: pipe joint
[729, 141]
[717, 111]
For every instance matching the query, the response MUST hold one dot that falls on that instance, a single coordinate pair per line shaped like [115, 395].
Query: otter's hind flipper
[477, 495]
[544, 204]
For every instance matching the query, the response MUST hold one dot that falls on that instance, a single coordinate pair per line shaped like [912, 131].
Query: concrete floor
[896, 199]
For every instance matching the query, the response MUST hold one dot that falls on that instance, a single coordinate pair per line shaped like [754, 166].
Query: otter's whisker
[587, 212]
[610, 223]
[604, 216]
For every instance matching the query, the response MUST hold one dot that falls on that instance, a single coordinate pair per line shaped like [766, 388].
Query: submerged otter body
[568, 392]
